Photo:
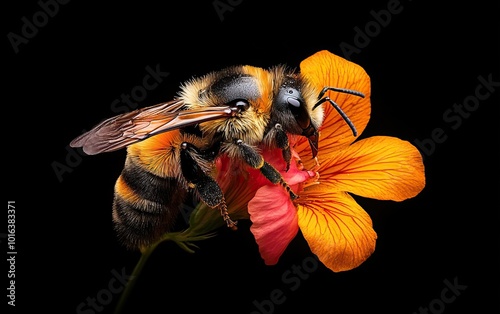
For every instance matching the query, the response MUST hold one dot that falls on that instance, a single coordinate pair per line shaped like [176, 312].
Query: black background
[425, 60]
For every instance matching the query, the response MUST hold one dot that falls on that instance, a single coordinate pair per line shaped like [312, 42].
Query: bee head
[293, 114]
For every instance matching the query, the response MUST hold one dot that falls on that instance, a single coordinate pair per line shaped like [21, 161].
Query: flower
[335, 226]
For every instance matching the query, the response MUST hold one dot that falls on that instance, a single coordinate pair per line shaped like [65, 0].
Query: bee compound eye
[241, 105]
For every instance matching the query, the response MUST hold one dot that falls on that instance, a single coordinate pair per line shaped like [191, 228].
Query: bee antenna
[336, 106]
[340, 90]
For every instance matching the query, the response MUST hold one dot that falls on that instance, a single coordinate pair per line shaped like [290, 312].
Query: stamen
[316, 166]
[312, 180]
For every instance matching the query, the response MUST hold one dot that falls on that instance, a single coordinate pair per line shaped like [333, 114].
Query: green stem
[183, 242]
[183, 239]
[134, 277]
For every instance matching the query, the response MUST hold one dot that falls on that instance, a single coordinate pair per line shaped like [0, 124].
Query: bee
[172, 146]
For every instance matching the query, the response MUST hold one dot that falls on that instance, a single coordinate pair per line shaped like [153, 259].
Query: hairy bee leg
[211, 194]
[207, 188]
[275, 177]
[256, 161]
[281, 141]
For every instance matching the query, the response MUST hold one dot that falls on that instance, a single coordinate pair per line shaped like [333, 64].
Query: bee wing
[120, 131]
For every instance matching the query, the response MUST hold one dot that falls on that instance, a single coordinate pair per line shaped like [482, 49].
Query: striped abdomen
[148, 193]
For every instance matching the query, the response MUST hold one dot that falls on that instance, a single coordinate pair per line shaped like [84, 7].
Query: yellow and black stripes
[145, 205]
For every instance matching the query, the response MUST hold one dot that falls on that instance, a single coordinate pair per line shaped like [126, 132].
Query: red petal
[274, 221]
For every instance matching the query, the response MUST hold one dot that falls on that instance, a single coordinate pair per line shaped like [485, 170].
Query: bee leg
[207, 188]
[211, 194]
[256, 161]
[281, 141]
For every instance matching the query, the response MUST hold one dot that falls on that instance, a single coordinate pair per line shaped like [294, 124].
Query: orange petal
[326, 69]
[379, 167]
[336, 228]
